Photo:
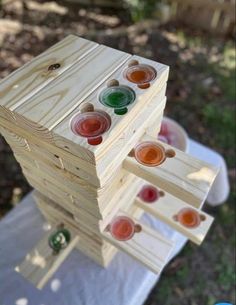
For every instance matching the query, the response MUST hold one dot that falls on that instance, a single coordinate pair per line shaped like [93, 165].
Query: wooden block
[183, 176]
[65, 138]
[40, 264]
[110, 164]
[48, 108]
[103, 261]
[45, 156]
[55, 214]
[34, 75]
[104, 174]
[117, 152]
[16, 142]
[148, 246]
[74, 185]
[80, 172]
[165, 208]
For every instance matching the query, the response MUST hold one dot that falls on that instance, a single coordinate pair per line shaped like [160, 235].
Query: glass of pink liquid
[91, 125]
[123, 228]
[150, 193]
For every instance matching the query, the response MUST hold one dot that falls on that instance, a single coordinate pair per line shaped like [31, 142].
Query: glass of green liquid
[117, 97]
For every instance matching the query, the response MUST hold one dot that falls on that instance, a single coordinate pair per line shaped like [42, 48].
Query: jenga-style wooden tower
[82, 121]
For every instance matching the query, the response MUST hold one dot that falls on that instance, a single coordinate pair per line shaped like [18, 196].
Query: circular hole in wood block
[54, 67]
[175, 217]
[149, 193]
[122, 228]
[86, 107]
[91, 125]
[118, 98]
[141, 75]
[170, 153]
[133, 62]
[202, 217]
[189, 218]
[112, 83]
[150, 153]
[131, 153]
[137, 228]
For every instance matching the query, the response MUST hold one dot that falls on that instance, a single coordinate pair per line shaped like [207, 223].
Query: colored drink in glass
[91, 125]
[149, 153]
[141, 75]
[59, 239]
[122, 228]
[149, 194]
[117, 97]
[189, 218]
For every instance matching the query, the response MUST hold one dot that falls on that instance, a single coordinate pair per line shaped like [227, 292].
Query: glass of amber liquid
[189, 218]
[150, 153]
[140, 74]
[123, 228]
[91, 125]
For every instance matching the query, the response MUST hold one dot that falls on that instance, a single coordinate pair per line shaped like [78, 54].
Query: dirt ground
[201, 96]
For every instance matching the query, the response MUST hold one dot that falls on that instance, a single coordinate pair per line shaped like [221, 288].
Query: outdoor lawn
[201, 97]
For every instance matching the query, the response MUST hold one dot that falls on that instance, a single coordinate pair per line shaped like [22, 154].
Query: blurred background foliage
[196, 38]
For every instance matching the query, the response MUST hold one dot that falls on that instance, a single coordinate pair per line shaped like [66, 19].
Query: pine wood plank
[40, 263]
[34, 75]
[49, 206]
[183, 176]
[53, 103]
[165, 208]
[148, 246]
[14, 140]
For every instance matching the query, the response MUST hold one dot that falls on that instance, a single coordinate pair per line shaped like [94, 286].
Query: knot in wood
[54, 67]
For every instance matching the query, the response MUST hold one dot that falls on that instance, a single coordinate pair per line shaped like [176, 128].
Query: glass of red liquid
[150, 193]
[123, 228]
[91, 125]
[140, 74]
[189, 218]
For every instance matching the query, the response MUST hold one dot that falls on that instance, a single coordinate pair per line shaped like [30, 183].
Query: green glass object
[117, 97]
[59, 239]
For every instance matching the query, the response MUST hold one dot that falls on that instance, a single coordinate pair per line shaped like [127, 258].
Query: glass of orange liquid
[150, 153]
[140, 74]
[123, 228]
[91, 125]
[189, 218]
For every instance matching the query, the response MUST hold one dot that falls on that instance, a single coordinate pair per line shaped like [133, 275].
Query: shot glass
[150, 193]
[140, 74]
[59, 240]
[123, 228]
[152, 154]
[189, 218]
[91, 125]
[117, 97]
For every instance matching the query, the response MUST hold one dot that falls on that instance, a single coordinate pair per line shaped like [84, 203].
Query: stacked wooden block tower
[82, 121]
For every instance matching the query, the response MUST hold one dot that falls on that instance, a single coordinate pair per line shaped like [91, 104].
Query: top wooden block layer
[43, 102]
